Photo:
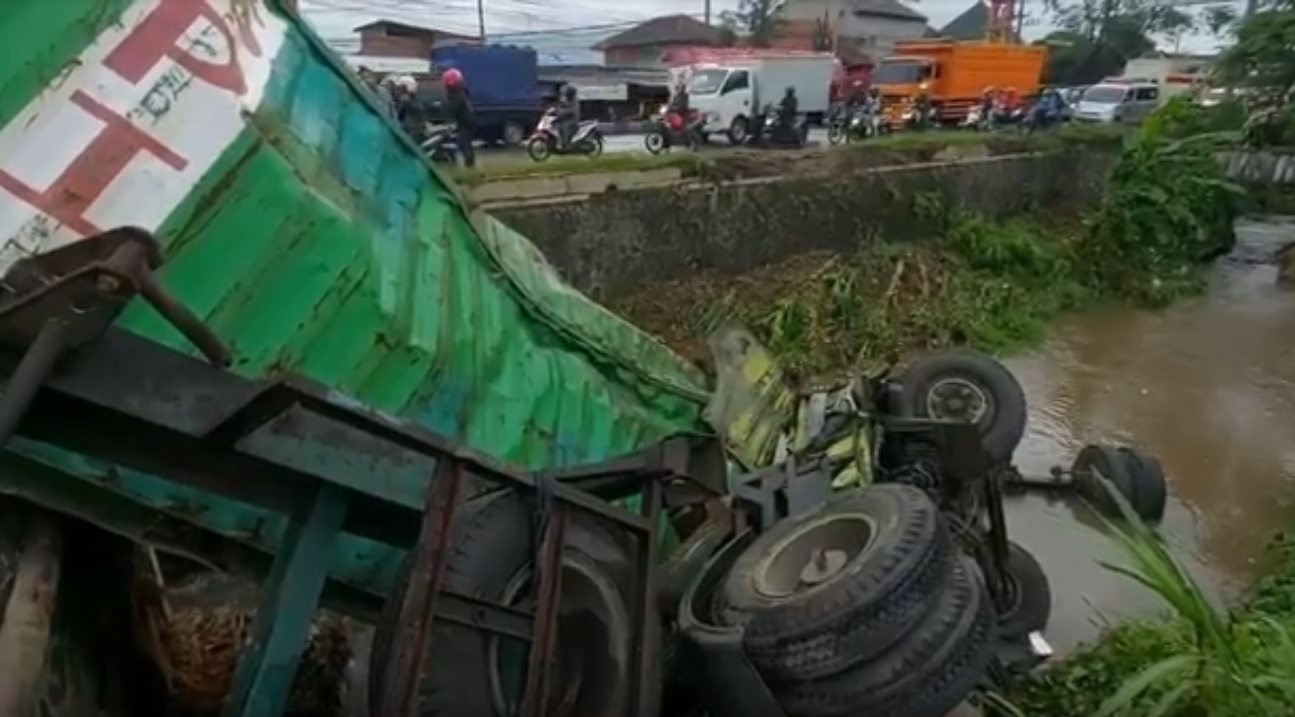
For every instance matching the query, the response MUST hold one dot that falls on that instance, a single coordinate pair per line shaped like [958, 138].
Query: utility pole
[481, 19]
[706, 12]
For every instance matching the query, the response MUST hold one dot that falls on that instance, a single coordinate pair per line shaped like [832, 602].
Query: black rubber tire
[1001, 428]
[676, 574]
[1110, 462]
[868, 606]
[491, 544]
[1033, 591]
[934, 668]
[1150, 491]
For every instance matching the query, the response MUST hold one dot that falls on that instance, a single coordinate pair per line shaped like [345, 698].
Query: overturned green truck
[310, 236]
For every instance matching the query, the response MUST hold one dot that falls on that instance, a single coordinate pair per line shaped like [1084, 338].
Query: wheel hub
[822, 566]
[957, 399]
[813, 556]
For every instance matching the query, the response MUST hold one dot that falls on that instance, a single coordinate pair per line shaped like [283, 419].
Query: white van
[731, 94]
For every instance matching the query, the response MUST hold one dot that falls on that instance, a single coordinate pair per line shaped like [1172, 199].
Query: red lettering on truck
[160, 33]
[70, 196]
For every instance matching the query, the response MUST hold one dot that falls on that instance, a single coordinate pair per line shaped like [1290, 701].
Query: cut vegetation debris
[988, 284]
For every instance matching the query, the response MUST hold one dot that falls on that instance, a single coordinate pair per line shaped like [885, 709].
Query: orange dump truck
[957, 73]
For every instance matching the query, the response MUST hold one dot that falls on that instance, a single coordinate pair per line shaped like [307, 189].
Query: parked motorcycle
[545, 141]
[914, 118]
[440, 143]
[862, 123]
[976, 120]
[673, 129]
[1036, 119]
[1002, 116]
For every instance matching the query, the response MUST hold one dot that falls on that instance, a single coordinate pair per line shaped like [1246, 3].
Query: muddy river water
[1208, 386]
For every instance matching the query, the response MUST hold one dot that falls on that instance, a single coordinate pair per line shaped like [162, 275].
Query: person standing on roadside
[459, 107]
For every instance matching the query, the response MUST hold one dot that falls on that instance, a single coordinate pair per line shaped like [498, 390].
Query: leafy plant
[1200, 662]
[1167, 207]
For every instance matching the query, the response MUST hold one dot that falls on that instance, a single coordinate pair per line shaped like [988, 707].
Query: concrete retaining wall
[1274, 168]
[621, 242]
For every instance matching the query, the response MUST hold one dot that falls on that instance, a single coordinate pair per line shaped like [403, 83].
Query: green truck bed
[313, 238]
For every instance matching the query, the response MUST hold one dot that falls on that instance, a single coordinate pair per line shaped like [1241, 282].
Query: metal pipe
[35, 367]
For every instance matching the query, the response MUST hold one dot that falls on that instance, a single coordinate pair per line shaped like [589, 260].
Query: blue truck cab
[503, 84]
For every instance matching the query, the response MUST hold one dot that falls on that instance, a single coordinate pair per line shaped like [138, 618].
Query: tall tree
[758, 20]
[1097, 37]
[1263, 56]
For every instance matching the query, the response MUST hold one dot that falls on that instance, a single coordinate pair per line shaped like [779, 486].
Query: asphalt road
[624, 143]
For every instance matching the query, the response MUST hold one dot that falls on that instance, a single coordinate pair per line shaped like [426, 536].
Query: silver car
[1112, 102]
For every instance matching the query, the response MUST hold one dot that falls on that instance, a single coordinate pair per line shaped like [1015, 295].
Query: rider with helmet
[787, 111]
[459, 108]
[568, 114]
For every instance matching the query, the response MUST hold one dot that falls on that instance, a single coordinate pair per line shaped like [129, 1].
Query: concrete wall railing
[620, 242]
[1267, 168]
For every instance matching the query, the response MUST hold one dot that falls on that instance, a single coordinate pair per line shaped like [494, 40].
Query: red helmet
[452, 78]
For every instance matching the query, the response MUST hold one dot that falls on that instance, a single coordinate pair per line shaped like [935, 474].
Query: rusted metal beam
[404, 670]
[548, 604]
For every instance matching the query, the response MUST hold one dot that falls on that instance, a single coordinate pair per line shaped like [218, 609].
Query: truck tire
[738, 132]
[927, 674]
[513, 134]
[992, 397]
[491, 558]
[1031, 596]
[892, 557]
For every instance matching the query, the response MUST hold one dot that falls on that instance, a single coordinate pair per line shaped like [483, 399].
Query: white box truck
[732, 92]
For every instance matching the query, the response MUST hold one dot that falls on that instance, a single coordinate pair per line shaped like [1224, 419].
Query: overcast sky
[335, 19]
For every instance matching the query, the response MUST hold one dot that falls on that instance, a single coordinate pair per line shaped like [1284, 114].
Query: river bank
[996, 284]
[1207, 386]
[958, 276]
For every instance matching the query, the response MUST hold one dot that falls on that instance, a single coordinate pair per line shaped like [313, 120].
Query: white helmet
[404, 82]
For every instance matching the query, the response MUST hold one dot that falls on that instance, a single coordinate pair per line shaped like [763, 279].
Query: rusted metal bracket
[61, 300]
[86, 284]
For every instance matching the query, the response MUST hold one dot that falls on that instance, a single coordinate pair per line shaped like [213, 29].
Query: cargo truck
[731, 91]
[503, 82]
[956, 74]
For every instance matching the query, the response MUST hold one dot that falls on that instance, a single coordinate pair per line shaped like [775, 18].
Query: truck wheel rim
[583, 675]
[655, 142]
[958, 399]
[810, 558]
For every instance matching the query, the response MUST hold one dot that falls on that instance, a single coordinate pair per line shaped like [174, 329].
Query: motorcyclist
[858, 97]
[568, 114]
[988, 99]
[874, 99]
[679, 99]
[787, 111]
[922, 103]
[1011, 100]
[459, 108]
[1048, 108]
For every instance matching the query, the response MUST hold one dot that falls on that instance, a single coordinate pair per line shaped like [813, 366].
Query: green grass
[697, 163]
[1198, 662]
